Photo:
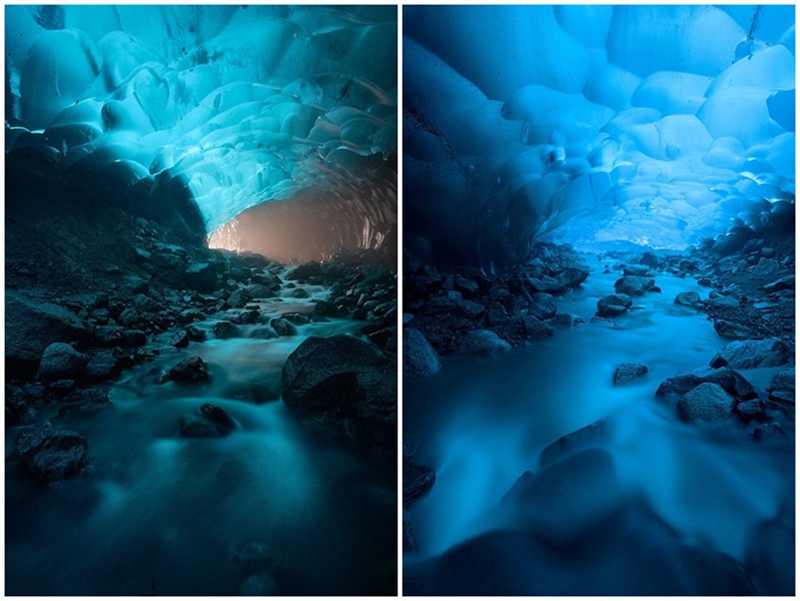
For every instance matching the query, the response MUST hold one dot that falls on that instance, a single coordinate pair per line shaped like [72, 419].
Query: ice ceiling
[657, 125]
[239, 105]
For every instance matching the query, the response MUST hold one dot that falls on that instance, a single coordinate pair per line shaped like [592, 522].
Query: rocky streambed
[628, 431]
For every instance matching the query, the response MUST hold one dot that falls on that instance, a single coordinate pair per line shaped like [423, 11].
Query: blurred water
[202, 516]
[481, 422]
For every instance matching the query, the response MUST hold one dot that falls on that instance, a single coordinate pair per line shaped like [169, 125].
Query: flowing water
[481, 422]
[275, 507]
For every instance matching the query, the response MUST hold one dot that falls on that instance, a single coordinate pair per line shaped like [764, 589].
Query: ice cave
[200, 300]
[599, 309]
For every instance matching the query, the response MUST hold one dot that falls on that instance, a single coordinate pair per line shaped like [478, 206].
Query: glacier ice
[657, 125]
[235, 105]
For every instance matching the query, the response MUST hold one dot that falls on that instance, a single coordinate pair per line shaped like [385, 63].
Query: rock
[535, 329]
[783, 380]
[108, 335]
[687, 299]
[61, 388]
[419, 357]
[613, 305]
[466, 285]
[726, 377]
[189, 371]
[771, 431]
[239, 298]
[568, 319]
[750, 410]
[733, 331]
[30, 326]
[483, 342]
[282, 327]
[299, 293]
[341, 374]
[130, 318]
[247, 316]
[748, 354]
[195, 334]
[19, 406]
[707, 402]
[766, 266]
[784, 283]
[722, 302]
[179, 339]
[636, 270]
[133, 338]
[305, 271]
[628, 372]
[61, 361]
[52, 454]
[225, 329]
[218, 415]
[595, 434]
[633, 285]
[103, 365]
[201, 277]
[417, 480]
[145, 304]
[262, 584]
[410, 544]
[214, 422]
[543, 306]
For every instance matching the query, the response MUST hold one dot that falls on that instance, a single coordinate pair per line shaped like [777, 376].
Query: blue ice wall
[657, 125]
[245, 103]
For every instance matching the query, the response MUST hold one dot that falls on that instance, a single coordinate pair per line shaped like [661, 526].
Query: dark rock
[483, 342]
[179, 339]
[636, 270]
[568, 319]
[239, 298]
[130, 318]
[61, 361]
[542, 306]
[783, 380]
[189, 371]
[133, 338]
[784, 283]
[707, 402]
[628, 372]
[248, 316]
[299, 293]
[417, 480]
[726, 377]
[218, 415]
[305, 271]
[195, 334]
[201, 277]
[596, 434]
[771, 431]
[282, 327]
[750, 410]
[19, 405]
[748, 354]
[613, 305]
[687, 299]
[341, 374]
[61, 388]
[410, 544]
[52, 454]
[103, 365]
[466, 285]
[330, 309]
[144, 304]
[419, 357]
[722, 302]
[30, 326]
[535, 329]
[496, 314]
[733, 331]
[633, 285]
[766, 267]
[225, 329]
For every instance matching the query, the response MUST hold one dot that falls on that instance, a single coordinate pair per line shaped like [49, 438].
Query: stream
[275, 507]
[481, 422]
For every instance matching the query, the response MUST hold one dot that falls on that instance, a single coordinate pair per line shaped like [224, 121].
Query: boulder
[750, 410]
[722, 302]
[535, 329]
[417, 480]
[707, 402]
[239, 298]
[770, 432]
[687, 299]
[419, 357]
[30, 326]
[225, 329]
[341, 374]
[189, 371]
[483, 342]
[783, 380]
[628, 372]
[179, 339]
[51, 453]
[213, 422]
[61, 361]
[542, 306]
[733, 331]
[595, 434]
[748, 354]
[636, 269]
[634, 285]
[784, 283]
[201, 277]
[729, 379]
[613, 305]
[282, 326]
[103, 365]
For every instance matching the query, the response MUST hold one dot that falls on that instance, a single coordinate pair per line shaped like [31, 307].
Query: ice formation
[233, 106]
[656, 125]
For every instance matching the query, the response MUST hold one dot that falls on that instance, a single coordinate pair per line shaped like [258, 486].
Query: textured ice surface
[656, 125]
[246, 104]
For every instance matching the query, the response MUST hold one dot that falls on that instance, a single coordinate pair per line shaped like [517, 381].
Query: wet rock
[19, 406]
[179, 339]
[299, 293]
[633, 285]
[766, 266]
[417, 480]
[201, 277]
[595, 434]
[535, 329]
[225, 329]
[730, 380]
[419, 357]
[613, 305]
[103, 365]
[52, 454]
[568, 319]
[733, 331]
[133, 338]
[410, 544]
[483, 342]
[628, 372]
[636, 270]
[248, 316]
[769, 432]
[239, 298]
[707, 402]
[59, 361]
[750, 410]
[783, 380]
[784, 283]
[306, 271]
[687, 299]
[282, 327]
[748, 354]
[542, 306]
[722, 302]
[330, 309]
[130, 318]
[30, 326]
[144, 304]
[189, 371]
[195, 334]
[341, 374]
[61, 388]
